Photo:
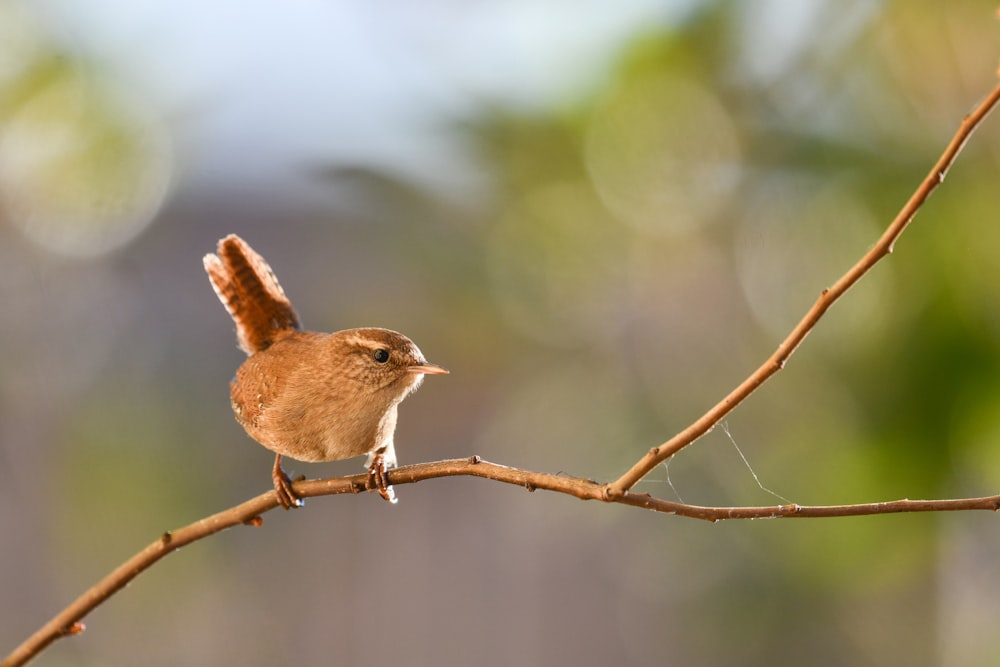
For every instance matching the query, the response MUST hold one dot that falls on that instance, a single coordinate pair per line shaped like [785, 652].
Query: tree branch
[827, 298]
[69, 620]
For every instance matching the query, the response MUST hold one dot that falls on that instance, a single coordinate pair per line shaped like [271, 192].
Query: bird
[306, 395]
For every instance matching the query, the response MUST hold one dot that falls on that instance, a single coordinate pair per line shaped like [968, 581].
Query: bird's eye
[380, 356]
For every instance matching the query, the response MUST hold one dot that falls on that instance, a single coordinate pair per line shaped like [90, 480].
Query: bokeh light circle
[83, 168]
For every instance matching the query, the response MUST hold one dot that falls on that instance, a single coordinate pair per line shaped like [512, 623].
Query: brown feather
[248, 289]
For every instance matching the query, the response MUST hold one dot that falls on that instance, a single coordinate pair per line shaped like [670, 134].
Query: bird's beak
[428, 368]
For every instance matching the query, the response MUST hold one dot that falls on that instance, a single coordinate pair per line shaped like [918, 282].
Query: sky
[302, 83]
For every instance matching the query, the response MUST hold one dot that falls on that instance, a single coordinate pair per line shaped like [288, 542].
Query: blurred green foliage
[638, 250]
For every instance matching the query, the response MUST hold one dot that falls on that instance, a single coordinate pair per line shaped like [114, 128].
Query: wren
[306, 395]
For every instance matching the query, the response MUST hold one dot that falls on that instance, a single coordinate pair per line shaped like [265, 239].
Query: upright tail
[250, 292]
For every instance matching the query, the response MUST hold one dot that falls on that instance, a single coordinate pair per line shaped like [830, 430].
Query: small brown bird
[306, 395]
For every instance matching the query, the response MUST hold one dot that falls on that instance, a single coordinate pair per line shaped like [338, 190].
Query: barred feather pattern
[247, 287]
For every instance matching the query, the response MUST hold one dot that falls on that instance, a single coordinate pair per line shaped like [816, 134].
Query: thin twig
[827, 298]
[69, 620]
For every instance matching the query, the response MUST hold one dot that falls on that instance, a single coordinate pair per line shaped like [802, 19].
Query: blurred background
[601, 217]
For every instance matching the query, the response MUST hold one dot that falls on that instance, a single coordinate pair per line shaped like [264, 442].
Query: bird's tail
[250, 292]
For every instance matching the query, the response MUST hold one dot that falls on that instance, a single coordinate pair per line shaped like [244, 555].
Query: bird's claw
[379, 478]
[287, 497]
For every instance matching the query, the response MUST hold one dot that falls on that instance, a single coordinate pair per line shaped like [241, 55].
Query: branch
[827, 298]
[69, 620]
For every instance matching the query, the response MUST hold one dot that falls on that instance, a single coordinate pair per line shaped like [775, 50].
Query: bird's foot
[379, 478]
[287, 498]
